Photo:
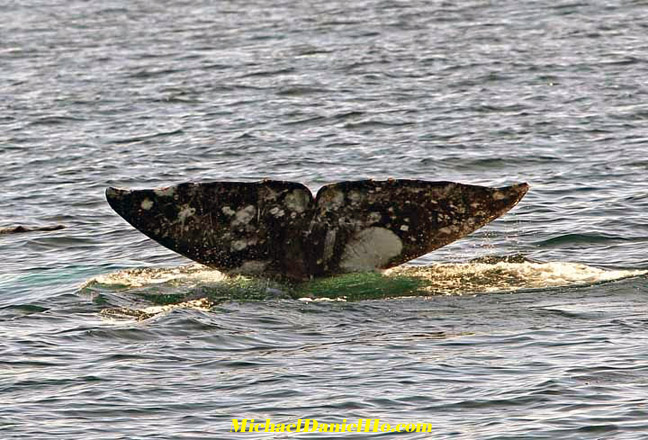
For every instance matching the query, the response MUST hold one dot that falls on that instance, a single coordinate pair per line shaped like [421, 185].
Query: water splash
[506, 274]
[142, 293]
[152, 311]
[191, 274]
[180, 287]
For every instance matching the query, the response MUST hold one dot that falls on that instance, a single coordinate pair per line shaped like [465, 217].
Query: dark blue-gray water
[144, 93]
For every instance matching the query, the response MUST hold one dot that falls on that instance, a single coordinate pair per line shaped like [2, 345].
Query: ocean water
[533, 327]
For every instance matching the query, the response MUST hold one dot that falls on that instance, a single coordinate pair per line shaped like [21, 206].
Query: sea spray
[146, 292]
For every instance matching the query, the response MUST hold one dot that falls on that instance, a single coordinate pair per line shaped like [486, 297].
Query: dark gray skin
[275, 228]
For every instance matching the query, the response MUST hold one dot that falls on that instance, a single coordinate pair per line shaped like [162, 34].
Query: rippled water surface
[533, 327]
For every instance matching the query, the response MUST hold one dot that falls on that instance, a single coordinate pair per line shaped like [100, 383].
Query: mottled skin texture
[276, 228]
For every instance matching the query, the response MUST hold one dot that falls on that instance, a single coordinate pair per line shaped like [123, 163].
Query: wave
[145, 292]
[569, 239]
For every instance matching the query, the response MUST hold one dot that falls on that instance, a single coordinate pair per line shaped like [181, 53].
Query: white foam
[197, 304]
[154, 311]
[133, 278]
[464, 278]
[324, 299]
[439, 278]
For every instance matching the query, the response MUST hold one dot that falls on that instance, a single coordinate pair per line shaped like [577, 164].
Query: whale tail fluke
[277, 228]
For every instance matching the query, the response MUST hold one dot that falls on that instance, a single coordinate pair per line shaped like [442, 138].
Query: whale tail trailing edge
[278, 228]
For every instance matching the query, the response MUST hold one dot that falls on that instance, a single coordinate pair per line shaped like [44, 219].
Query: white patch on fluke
[186, 211]
[238, 245]
[355, 197]
[333, 199]
[146, 204]
[277, 212]
[329, 244]
[370, 249]
[243, 216]
[374, 217]
[296, 201]
[112, 193]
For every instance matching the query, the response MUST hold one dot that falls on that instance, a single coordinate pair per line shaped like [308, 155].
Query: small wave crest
[506, 274]
[152, 311]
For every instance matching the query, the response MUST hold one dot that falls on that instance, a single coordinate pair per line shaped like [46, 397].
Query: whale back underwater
[278, 229]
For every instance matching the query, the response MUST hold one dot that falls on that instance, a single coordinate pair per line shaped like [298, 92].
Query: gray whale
[277, 228]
